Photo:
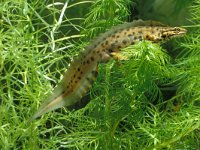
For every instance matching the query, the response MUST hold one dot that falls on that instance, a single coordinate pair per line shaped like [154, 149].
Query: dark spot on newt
[95, 45]
[124, 42]
[140, 38]
[135, 38]
[88, 61]
[78, 69]
[106, 42]
[129, 35]
[147, 37]
[79, 78]
[110, 50]
[164, 36]
[132, 43]
[92, 58]
[119, 47]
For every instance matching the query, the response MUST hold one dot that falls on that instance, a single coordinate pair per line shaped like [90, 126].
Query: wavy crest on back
[117, 28]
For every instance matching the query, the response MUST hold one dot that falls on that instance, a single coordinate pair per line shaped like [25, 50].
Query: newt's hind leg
[105, 57]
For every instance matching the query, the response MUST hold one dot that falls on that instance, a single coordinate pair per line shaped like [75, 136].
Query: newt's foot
[118, 56]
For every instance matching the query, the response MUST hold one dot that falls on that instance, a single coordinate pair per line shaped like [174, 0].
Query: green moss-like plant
[150, 101]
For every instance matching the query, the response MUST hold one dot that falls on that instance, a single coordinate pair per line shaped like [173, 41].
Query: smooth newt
[83, 70]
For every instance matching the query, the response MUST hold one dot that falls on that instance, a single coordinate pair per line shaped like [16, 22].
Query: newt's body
[83, 70]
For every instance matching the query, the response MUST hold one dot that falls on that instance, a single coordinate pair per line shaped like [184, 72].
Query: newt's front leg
[118, 56]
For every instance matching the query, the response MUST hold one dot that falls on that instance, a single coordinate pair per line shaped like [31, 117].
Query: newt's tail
[68, 95]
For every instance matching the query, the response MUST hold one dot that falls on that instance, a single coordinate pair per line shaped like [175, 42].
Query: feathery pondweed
[150, 101]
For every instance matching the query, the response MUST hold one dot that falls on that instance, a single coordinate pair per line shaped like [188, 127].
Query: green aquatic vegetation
[150, 101]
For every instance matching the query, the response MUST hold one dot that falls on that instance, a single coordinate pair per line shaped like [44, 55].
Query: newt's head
[170, 32]
[161, 33]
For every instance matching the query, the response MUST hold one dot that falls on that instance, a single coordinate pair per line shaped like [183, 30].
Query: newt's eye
[177, 29]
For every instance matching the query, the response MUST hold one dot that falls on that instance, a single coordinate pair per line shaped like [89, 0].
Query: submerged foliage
[150, 101]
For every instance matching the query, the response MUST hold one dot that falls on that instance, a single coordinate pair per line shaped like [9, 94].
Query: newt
[82, 71]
